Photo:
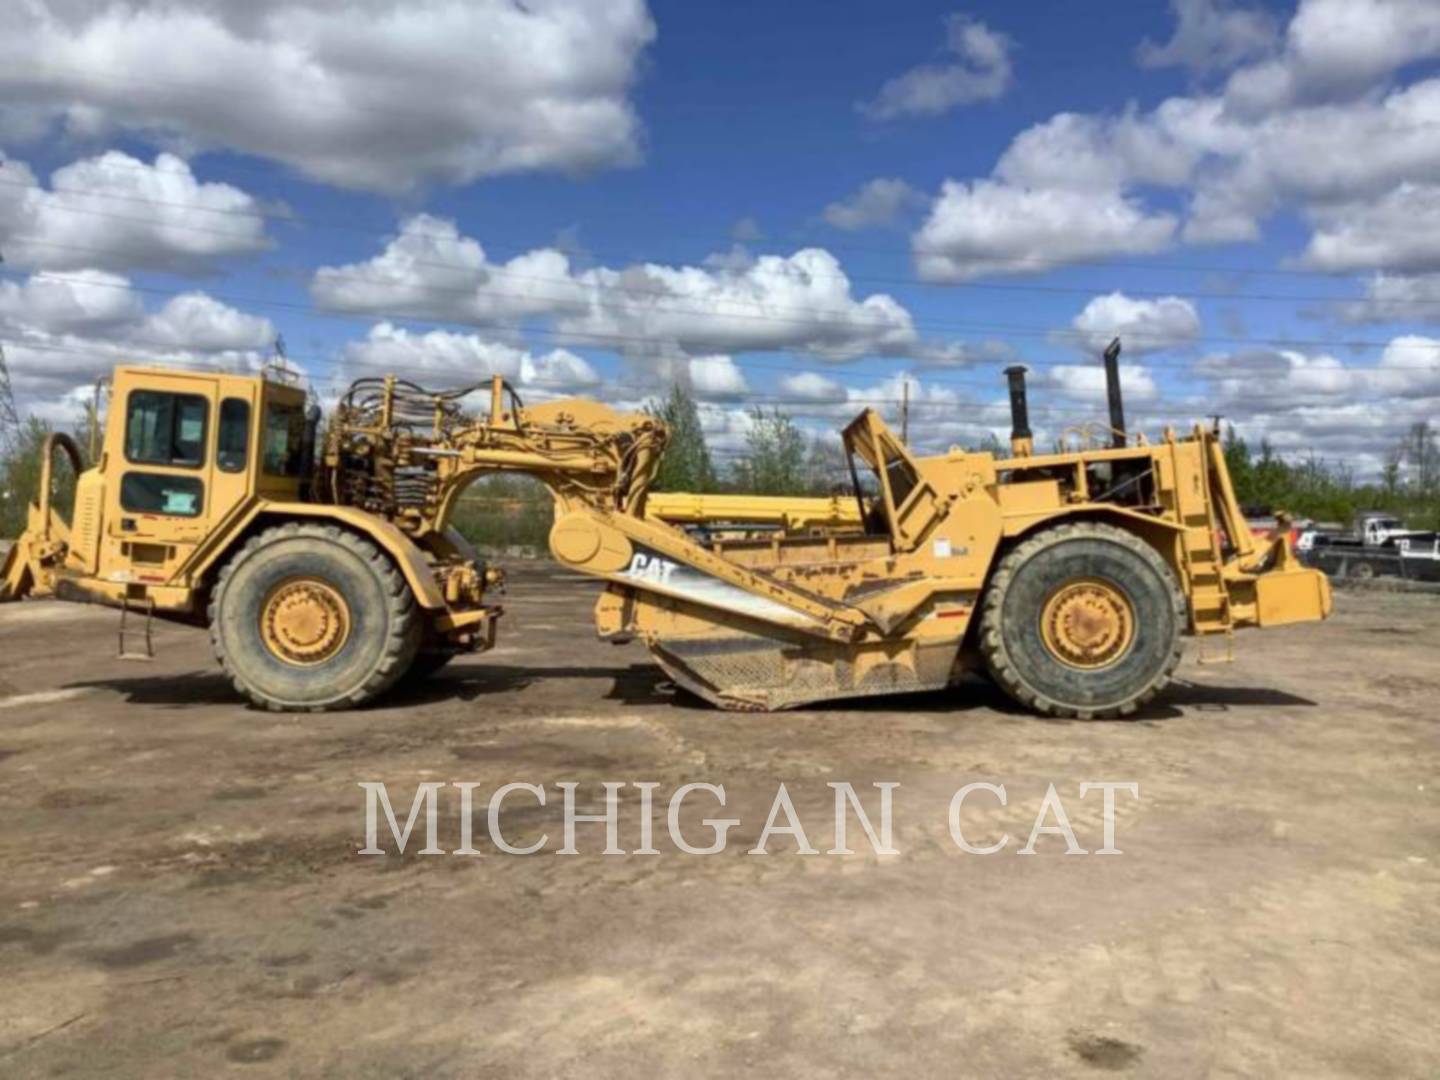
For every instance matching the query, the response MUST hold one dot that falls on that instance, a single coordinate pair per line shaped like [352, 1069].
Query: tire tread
[992, 641]
[403, 622]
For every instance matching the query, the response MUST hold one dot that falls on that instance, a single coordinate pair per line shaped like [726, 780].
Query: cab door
[161, 502]
[237, 447]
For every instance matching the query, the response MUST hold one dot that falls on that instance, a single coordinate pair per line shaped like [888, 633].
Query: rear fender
[1164, 536]
[407, 555]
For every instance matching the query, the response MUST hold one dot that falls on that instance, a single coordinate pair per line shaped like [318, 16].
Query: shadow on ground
[639, 685]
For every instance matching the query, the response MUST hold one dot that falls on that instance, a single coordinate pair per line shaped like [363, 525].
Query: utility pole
[905, 410]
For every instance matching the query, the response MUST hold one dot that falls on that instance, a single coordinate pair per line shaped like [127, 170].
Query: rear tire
[1082, 621]
[310, 617]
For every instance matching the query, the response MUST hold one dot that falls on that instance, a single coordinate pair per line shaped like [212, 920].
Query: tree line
[779, 458]
[1327, 490]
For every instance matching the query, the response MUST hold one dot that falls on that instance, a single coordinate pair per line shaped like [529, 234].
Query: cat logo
[651, 568]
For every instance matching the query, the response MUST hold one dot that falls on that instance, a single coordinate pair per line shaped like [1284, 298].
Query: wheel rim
[1087, 624]
[304, 621]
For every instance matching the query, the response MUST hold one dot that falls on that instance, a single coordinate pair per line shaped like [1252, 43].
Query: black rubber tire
[1361, 570]
[385, 622]
[1010, 638]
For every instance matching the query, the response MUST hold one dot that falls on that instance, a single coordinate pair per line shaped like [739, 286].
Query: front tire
[1082, 621]
[311, 617]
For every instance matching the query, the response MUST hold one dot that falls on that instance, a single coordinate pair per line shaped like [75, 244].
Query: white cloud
[1308, 404]
[1306, 158]
[879, 202]
[1337, 49]
[740, 302]
[941, 415]
[987, 227]
[1400, 231]
[199, 322]
[1209, 35]
[1086, 382]
[801, 301]
[85, 300]
[812, 386]
[1144, 326]
[103, 306]
[980, 71]
[62, 332]
[1103, 154]
[378, 94]
[115, 212]
[962, 354]
[1405, 375]
[1079, 188]
[1396, 298]
[717, 378]
[448, 358]
[431, 270]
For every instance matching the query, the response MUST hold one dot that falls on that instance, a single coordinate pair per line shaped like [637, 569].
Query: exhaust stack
[1022, 443]
[1112, 391]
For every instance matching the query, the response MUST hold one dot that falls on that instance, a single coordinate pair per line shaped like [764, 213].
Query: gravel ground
[182, 893]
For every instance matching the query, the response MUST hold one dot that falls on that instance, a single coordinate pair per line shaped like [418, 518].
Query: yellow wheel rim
[1087, 624]
[304, 621]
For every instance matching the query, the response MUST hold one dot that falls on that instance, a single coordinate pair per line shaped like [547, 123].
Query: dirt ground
[181, 892]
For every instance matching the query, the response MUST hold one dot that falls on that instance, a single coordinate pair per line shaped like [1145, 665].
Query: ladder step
[1228, 656]
[123, 652]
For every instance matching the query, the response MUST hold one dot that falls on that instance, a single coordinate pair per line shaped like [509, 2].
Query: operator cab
[182, 451]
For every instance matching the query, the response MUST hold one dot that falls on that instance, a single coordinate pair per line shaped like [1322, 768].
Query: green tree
[825, 466]
[686, 465]
[501, 511]
[1390, 475]
[9, 414]
[774, 461]
[20, 478]
[1422, 454]
[991, 444]
[1237, 460]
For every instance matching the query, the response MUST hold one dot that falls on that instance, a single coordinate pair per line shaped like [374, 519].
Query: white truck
[1379, 545]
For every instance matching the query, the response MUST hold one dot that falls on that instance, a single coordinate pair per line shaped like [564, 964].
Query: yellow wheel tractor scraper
[326, 569]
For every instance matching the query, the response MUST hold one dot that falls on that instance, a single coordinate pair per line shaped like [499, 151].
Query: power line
[996, 410]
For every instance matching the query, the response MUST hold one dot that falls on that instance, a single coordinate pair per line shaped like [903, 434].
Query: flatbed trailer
[1407, 559]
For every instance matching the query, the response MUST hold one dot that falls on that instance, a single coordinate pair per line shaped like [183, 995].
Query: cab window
[232, 445]
[284, 437]
[162, 493]
[165, 429]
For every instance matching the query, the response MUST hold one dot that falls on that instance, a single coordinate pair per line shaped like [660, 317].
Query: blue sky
[797, 204]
